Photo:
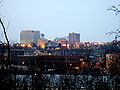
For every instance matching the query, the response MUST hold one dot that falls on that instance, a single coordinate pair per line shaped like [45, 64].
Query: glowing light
[68, 46]
[77, 46]
[49, 54]
[17, 45]
[29, 45]
[57, 48]
[81, 59]
[41, 43]
[23, 63]
[76, 67]
[43, 46]
[83, 62]
[22, 45]
[64, 45]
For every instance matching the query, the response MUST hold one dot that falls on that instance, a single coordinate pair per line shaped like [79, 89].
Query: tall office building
[29, 37]
[74, 38]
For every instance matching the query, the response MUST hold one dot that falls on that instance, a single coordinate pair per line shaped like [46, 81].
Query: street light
[23, 63]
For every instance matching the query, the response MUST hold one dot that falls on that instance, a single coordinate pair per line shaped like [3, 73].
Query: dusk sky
[57, 18]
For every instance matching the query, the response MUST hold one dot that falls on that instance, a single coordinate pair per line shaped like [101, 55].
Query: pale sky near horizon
[57, 18]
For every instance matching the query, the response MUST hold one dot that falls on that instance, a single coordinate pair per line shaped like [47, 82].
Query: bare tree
[115, 9]
[116, 32]
[117, 12]
[6, 37]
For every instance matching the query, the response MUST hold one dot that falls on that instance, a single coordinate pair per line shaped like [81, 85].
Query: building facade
[63, 42]
[74, 39]
[29, 37]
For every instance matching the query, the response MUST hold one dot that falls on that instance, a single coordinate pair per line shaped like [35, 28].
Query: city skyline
[58, 18]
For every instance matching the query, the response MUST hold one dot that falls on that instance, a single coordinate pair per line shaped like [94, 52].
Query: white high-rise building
[29, 37]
